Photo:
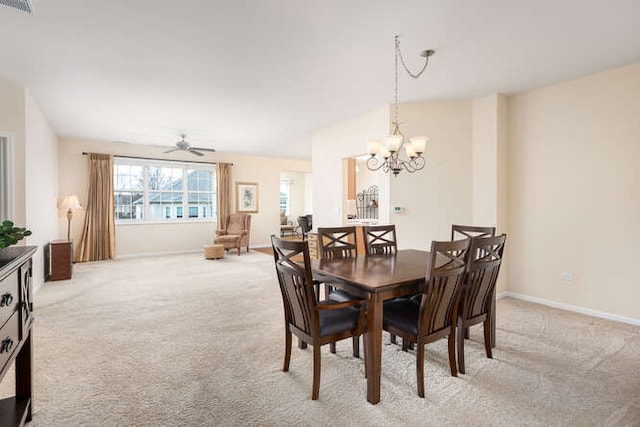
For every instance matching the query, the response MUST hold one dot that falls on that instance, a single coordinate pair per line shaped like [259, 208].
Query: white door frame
[6, 176]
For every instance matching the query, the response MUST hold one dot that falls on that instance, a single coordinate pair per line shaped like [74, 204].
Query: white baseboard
[569, 307]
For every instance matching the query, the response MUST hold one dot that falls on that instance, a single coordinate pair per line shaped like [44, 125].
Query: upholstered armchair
[236, 233]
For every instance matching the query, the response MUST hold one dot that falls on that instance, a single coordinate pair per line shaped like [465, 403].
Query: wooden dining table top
[377, 273]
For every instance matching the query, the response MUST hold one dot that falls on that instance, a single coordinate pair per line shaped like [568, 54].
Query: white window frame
[185, 166]
[287, 182]
[6, 176]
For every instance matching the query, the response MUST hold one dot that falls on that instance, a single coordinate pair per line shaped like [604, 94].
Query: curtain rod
[84, 153]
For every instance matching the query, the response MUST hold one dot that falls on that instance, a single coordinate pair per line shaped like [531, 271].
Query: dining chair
[305, 226]
[483, 266]
[338, 243]
[380, 239]
[315, 323]
[436, 315]
[471, 231]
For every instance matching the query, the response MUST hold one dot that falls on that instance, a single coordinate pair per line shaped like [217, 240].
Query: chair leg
[364, 356]
[419, 367]
[461, 335]
[301, 344]
[452, 353]
[332, 347]
[316, 372]
[238, 250]
[287, 351]
[487, 338]
[392, 339]
[466, 333]
[356, 346]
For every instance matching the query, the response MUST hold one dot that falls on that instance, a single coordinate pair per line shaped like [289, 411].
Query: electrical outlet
[568, 276]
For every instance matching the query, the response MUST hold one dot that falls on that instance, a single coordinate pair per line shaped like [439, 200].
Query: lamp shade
[69, 202]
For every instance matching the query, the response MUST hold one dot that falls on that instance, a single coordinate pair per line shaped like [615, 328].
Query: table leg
[493, 321]
[374, 347]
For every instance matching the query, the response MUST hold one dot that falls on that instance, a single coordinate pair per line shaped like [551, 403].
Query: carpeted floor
[183, 341]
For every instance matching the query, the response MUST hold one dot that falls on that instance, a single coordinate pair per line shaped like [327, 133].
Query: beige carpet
[183, 341]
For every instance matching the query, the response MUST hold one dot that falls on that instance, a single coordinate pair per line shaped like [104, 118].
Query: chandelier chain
[404, 65]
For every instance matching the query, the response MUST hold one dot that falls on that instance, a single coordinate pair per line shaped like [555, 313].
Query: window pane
[165, 188]
[201, 194]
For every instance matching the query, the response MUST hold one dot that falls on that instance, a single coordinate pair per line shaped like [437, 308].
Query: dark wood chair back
[439, 305]
[485, 258]
[296, 284]
[337, 242]
[470, 231]
[380, 239]
[305, 225]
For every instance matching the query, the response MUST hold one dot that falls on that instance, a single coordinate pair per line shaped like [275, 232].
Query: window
[159, 191]
[285, 196]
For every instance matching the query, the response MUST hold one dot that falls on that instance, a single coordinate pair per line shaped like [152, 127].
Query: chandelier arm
[374, 164]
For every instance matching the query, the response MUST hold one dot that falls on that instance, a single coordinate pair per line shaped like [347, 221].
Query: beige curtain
[223, 181]
[98, 234]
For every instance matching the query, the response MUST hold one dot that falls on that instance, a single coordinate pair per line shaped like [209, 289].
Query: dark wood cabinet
[59, 260]
[16, 318]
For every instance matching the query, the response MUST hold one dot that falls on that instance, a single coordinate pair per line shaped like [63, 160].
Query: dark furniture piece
[315, 323]
[376, 278]
[236, 232]
[337, 242]
[16, 318]
[476, 303]
[471, 231]
[305, 225]
[436, 315]
[334, 243]
[380, 239]
[59, 260]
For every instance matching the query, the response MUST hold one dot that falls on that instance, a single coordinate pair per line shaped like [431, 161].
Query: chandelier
[389, 156]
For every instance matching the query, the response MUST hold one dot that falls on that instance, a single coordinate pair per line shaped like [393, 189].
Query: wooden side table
[59, 259]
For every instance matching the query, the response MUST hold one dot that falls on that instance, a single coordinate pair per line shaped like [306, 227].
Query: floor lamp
[69, 203]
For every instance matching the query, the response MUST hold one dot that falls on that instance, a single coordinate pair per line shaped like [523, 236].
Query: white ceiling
[257, 77]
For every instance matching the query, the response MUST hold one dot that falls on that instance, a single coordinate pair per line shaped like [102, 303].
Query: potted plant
[10, 235]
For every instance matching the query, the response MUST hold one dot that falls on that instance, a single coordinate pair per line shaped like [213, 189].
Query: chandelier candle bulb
[419, 144]
[373, 147]
[394, 142]
[410, 151]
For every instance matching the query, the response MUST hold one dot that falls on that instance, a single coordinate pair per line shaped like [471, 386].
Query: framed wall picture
[247, 197]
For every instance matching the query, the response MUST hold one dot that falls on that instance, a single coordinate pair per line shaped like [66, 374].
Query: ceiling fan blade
[211, 150]
[171, 151]
[194, 151]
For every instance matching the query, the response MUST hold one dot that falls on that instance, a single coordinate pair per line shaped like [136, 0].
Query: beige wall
[489, 165]
[329, 146]
[298, 183]
[158, 238]
[440, 194]
[574, 203]
[35, 170]
[433, 198]
[41, 170]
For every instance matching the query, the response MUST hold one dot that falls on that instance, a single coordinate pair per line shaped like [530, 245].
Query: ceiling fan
[183, 145]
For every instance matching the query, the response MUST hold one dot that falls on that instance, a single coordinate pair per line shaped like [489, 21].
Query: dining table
[375, 278]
